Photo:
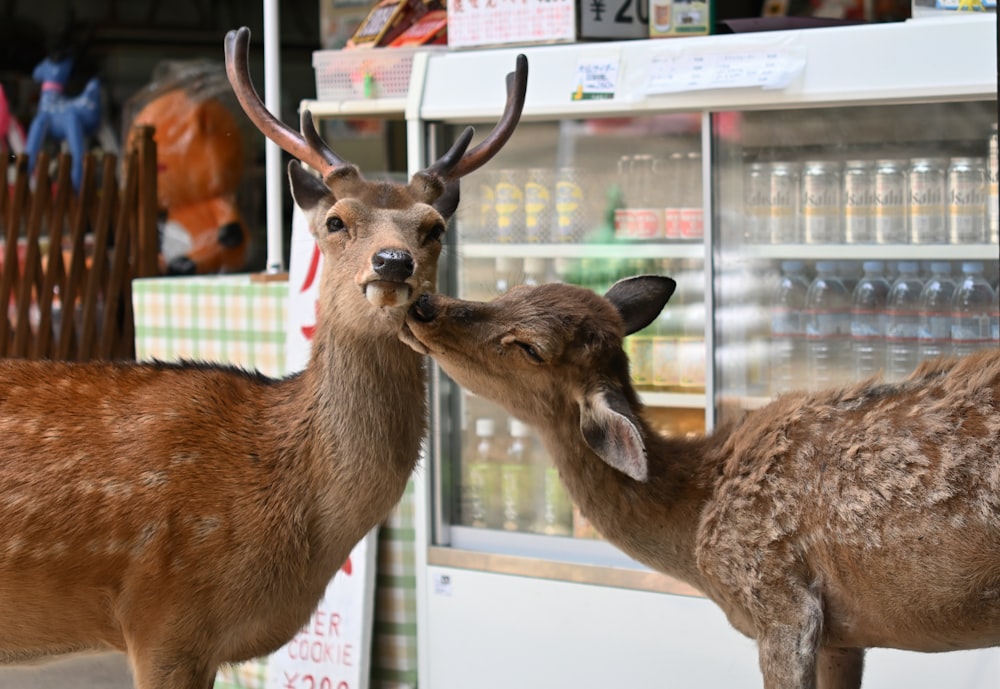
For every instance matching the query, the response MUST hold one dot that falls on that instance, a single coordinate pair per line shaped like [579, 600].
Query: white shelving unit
[530, 604]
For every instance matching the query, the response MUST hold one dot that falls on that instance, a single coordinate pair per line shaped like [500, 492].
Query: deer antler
[307, 146]
[457, 162]
[310, 148]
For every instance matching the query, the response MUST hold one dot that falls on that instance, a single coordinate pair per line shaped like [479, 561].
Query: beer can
[509, 203]
[992, 197]
[570, 208]
[756, 203]
[927, 186]
[692, 211]
[821, 202]
[538, 205]
[967, 201]
[890, 202]
[783, 209]
[858, 198]
[675, 170]
[485, 196]
[642, 218]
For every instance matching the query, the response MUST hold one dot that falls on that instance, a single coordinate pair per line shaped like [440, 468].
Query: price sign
[596, 78]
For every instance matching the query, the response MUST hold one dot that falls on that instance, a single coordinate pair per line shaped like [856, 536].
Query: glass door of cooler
[585, 202]
[851, 242]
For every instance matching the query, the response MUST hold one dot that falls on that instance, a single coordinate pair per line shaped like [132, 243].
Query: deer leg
[839, 668]
[789, 641]
[160, 669]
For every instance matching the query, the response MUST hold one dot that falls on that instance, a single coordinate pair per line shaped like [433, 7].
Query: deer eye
[530, 352]
[334, 224]
[435, 233]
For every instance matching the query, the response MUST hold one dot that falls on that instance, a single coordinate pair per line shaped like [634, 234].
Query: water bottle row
[824, 332]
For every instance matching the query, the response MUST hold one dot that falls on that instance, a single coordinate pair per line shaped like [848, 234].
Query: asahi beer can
[992, 197]
[509, 203]
[538, 205]
[890, 202]
[927, 190]
[858, 198]
[967, 201]
[821, 203]
[783, 211]
[570, 208]
[756, 203]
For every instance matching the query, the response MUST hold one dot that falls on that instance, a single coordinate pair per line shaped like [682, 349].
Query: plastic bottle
[535, 269]
[788, 329]
[868, 321]
[505, 272]
[934, 338]
[667, 333]
[639, 348]
[516, 480]
[556, 513]
[972, 312]
[691, 354]
[903, 322]
[827, 325]
[481, 484]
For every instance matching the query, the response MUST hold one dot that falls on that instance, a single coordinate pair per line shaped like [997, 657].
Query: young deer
[822, 524]
[192, 515]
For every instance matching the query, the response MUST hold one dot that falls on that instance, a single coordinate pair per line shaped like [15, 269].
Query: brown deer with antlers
[191, 514]
[822, 524]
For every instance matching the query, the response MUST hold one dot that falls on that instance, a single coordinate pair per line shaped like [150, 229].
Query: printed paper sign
[596, 78]
[305, 264]
[769, 68]
[332, 650]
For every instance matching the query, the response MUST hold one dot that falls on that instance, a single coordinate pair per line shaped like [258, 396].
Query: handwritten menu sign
[332, 650]
[491, 22]
[674, 71]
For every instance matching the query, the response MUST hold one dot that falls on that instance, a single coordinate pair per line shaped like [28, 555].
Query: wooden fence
[69, 257]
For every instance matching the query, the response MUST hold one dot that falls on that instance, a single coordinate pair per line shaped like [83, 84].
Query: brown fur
[822, 523]
[192, 515]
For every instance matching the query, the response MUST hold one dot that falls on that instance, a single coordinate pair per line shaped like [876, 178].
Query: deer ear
[640, 299]
[448, 201]
[308, 190]
[612, 431]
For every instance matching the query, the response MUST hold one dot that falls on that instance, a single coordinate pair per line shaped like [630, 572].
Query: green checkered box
[230, 319]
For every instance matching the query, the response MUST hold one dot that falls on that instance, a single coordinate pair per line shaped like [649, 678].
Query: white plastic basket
[364, 73]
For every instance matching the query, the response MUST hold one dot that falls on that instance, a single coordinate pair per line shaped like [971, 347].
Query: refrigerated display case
[721, 161]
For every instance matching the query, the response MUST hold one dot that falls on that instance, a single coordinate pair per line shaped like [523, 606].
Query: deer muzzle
[392, 269]
[423, 310]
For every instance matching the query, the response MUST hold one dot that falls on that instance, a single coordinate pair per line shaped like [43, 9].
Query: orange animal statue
[199, 157]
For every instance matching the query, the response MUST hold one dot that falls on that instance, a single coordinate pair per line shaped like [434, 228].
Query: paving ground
[103, 671]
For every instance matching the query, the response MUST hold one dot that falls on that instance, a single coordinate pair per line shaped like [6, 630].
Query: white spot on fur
[153, 479]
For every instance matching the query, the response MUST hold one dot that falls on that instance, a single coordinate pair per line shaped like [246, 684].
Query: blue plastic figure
[61, 117]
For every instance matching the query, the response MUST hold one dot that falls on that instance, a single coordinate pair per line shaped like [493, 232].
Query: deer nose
[423, 309]
[393, 264]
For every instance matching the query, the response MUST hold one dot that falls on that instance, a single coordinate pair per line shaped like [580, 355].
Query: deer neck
[654, 522]
[362, 401]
